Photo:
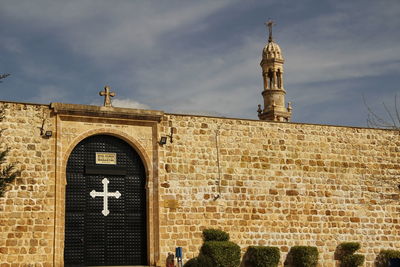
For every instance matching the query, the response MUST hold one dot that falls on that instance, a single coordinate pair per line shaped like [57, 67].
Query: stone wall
[279, 184]
[27, 210]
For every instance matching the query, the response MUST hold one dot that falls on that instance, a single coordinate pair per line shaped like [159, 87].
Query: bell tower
[274, 92]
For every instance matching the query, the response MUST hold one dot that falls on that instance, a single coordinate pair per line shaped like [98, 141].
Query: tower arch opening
[279, 78]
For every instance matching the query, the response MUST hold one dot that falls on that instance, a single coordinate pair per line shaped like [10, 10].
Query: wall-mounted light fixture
[43, 133]
[163, 139]
[48, 134]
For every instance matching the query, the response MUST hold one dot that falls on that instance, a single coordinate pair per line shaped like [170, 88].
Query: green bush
[385, 255]
[215, 235]
[216, 251]
[353, 260]
[304, 256]
[348, 248]
[200, 261]
[191, 263]
[261, 256]
[222, 253]
[346, 254]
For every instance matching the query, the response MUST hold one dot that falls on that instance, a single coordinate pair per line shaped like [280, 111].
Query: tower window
[279, 78]
[270, 78]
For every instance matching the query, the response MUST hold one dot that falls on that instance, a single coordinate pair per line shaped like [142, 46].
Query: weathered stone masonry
[27, 211]
[281, 184]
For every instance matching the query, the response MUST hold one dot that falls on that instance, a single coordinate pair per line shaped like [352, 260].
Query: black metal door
[93, 237]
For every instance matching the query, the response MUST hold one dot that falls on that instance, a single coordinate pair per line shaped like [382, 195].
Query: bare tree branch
[396, 109]
[391, 119]
[2, 76]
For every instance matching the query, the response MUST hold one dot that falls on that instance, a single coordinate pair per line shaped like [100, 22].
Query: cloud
[222, 84]
[48, 93]
[201, 55]
[345, 44]
[11, 45]
[128, 103]
[106, 31]
[328, 48]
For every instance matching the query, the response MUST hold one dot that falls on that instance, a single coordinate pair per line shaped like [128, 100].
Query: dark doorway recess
[91, 237]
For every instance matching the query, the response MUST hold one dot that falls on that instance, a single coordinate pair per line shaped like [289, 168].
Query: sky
[202, 57]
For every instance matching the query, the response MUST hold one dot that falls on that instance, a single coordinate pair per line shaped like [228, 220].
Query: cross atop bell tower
[273, 92]
[270, 24]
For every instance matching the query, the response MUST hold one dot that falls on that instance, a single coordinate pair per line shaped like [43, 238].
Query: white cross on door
[105, 194]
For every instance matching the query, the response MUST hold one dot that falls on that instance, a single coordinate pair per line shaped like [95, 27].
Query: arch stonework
[63, 153]
[119, 134]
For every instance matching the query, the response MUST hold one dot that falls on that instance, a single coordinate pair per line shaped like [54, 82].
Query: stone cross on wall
[105, 194]
[107, 96]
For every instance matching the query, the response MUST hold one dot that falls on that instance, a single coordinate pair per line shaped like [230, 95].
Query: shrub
[353, 260]
[200, 261]
[215, 235]
[385, 256]
[191, 263]
[205, 261]
[216, 251]
[261, 256]
[346, 254]
[348, 248]
[222, 253]
[304, 256]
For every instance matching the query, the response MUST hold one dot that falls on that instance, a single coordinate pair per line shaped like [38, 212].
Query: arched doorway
[105, 214]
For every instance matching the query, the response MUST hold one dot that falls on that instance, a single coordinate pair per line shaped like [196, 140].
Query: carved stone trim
[107, 112]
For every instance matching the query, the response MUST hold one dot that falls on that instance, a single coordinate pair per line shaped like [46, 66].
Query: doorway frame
[63, 146]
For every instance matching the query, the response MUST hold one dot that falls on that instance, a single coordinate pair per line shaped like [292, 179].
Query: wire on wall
[218, 183]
